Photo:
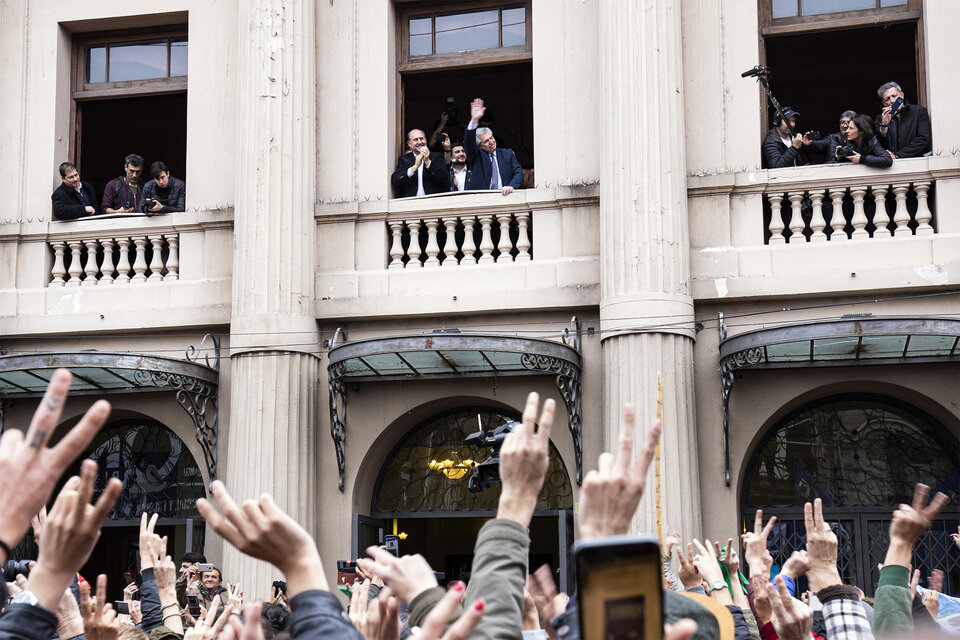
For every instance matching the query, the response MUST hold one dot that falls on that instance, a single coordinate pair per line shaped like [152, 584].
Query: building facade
[797, 328]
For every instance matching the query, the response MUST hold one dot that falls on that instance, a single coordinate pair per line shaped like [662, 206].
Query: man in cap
[779, 148]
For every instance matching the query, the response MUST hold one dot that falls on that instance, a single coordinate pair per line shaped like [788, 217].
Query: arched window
[408, 484]
[861, 454]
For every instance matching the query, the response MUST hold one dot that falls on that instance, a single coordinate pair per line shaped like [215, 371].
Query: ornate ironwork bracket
[728, 364]
[338, 414]
[197, 397]
[569, 384]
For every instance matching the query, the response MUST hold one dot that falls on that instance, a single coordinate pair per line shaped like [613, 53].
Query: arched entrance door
[441, 517]
[861, 454]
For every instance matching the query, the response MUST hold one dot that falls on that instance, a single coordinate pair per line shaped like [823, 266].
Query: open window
[827, 56]
[449, 57]
[129, 95]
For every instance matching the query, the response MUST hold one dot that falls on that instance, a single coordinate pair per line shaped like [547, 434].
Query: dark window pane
[138, 61]
[514, 26]
[96, 64]
[784, 8]
[814, 7]
[421, 36]
[178, 58]
[468, 31]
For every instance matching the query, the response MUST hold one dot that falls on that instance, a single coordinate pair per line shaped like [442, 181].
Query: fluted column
[646, 312]
[273, 332]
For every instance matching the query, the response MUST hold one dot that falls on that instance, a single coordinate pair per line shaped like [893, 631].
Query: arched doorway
[159, 475]
[861, 454]
[440, 516]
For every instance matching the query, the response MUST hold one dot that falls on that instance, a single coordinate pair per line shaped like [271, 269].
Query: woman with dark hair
[861, 146]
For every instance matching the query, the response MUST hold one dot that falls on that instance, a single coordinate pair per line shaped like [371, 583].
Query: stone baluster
[414, 250]
[504, 245]
[880, 217]
[173, 258]
[523, 239]
[140, 261]
[469, 245]
[123, 262]
[924, 214]
[58, 270]
[901, 216]
[796, 217]
[396, 247]
[433, 247]
[450, 244]
[90, 267]
[75, 268]
[156, 260]
[776, 221]
[859, 219]
[106, 269]
[817, 222]
[486, 240]
[837, 222]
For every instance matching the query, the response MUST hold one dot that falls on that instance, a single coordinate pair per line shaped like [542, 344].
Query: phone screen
[122, 607]
[619, 580]
[193, 605]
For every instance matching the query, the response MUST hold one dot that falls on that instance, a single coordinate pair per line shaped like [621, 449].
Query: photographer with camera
[902, 128]
[163, 194]
[419, 172]
[828, 145]
[861, 146]
[782, 148]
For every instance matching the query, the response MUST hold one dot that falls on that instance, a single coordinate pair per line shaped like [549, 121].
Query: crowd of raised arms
[399, 597]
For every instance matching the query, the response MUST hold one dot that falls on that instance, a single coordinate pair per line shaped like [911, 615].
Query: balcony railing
[120, 260]
[459, 240]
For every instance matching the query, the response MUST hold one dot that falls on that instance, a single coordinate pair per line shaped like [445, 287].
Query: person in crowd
[490, 167]
[861, 146]
[211, 591]
[779, 149]
[125, 194]
[73, 198]
[188, 573]
[904, 132]
[163, 194]
[459, 172]
[419, 172]
[827, 145]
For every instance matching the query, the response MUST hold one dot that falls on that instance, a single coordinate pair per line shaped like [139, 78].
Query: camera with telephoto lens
[487, 473]
[846, 151]
[12, 567]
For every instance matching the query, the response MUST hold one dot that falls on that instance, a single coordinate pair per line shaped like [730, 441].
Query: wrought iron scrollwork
[338, 414]
[570, 386]
[728, 365]
[195, 396]
[194, 353]
[572, 336]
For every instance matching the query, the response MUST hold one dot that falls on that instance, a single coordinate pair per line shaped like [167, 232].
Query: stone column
[646, 312]
[272, 438]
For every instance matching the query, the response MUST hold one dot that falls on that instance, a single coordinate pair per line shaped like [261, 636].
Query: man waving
[490, 167]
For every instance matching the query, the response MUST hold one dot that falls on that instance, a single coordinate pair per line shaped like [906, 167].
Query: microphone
[757, 70]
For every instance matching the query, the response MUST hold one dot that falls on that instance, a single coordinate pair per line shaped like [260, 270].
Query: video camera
[487, 473]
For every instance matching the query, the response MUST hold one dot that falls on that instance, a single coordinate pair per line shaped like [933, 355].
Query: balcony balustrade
[127, 259]
[459, 240]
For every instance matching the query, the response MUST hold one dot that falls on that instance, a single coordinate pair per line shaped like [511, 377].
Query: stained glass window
[407, 483]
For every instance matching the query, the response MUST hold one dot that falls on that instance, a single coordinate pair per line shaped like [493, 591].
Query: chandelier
[452, 466]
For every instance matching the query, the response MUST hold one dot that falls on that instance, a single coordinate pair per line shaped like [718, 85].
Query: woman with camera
[861, 146]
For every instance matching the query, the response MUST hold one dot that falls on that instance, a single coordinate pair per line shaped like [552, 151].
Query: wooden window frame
[83, 90]
[479, 57]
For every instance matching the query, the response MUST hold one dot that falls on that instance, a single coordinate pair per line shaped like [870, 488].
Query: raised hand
[524, 458]
[688, 572]
[29, 470]
[147, 536]
[931, 601]
[99, 618]
[796, 565]
[755, 543]
[407, 577]
[549, 602]
[209, 625]
[791, 619]
[956, 537]
[729, 557]
[434, 623]
[247, 629]
[672, 540]
[935, 581]
[264, 531]
[476, 111]
[135, 613]
[761, 597]
[235, 596]
[910, 522]
[129, 590]
[821, 548]
[611, 493]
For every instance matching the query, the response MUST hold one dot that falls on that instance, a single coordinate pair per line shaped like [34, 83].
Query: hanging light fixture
[452, 466]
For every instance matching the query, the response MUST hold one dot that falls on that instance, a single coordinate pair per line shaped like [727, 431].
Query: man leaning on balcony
[73, 198]
[163, 194]
[779, 149]
[490, 167]
[905, 131]
[419, 172]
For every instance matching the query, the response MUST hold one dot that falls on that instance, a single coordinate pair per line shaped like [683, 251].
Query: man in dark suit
[419, 172]
[73, 199]
[904, 133]
[490, 168]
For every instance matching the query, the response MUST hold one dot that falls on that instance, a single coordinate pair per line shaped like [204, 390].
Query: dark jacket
[908, 134]
[481, 168]
[777, 155]
[318, 614]
[150, 602]
[25, 622]
[872, 154]
[453, 187]
[118, 192]
[172, 198]
[67, 204]
[435, 177]
[827, 146]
